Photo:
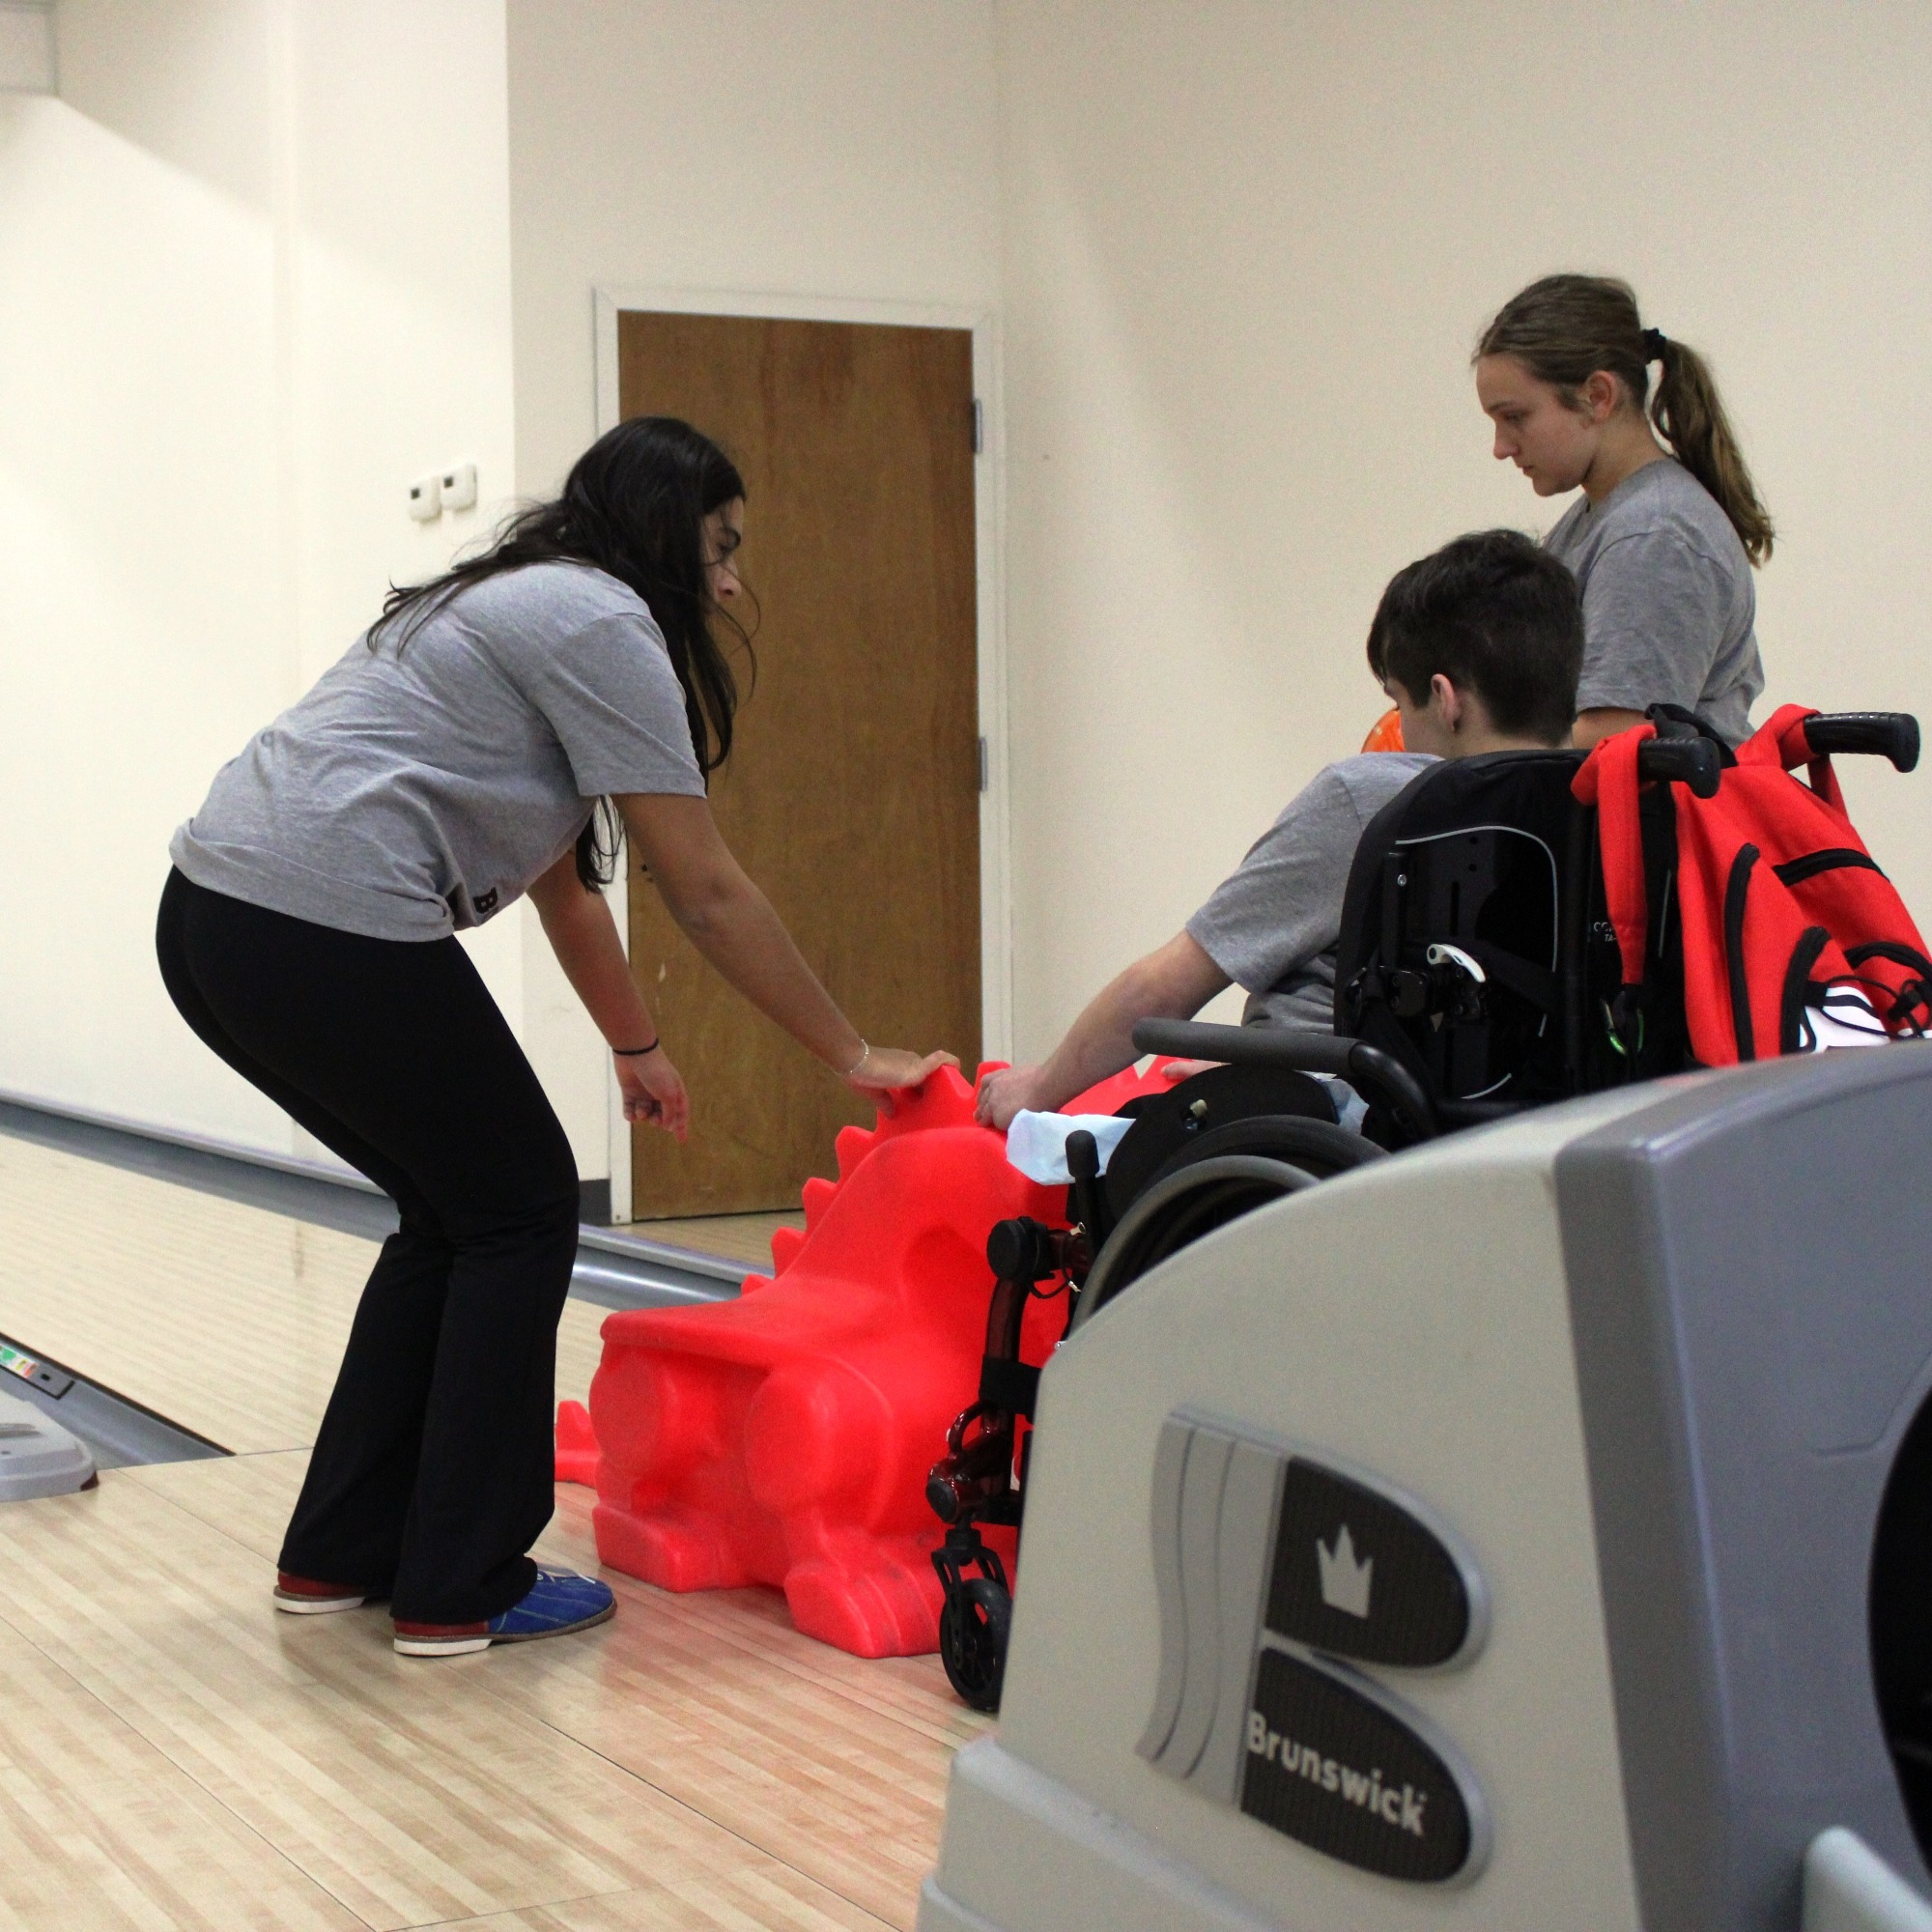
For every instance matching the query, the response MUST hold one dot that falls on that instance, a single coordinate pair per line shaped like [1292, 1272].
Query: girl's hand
[885, 1071]
[653, 1091]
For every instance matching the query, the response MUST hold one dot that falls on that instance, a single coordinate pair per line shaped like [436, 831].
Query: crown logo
[1345, 1582]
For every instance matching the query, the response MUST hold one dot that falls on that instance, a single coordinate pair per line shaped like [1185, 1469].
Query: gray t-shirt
[416, 791]
[1669, 602]
[1272, 924]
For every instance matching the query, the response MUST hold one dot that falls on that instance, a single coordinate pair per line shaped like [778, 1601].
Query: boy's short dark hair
[1496, 614]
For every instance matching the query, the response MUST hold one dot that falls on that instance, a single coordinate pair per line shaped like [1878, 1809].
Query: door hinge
[985, 778]
[979, 426]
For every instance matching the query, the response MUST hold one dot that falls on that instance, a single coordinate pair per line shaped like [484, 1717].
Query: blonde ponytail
[1565, 329]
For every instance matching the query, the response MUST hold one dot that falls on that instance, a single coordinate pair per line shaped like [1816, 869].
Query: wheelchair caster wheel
[973, 1630]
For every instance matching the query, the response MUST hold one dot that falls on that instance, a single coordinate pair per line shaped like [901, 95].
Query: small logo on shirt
[487, 904]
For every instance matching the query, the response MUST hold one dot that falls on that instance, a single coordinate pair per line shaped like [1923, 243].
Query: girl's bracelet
[634, 1052]
[864, 1054]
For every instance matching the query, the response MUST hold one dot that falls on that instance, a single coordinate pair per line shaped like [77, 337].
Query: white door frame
[996, 987]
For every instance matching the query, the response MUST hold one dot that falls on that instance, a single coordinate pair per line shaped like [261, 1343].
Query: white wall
[253, 279]
[1247, 248]
[260, 262]
[840, 148]
[27, 46]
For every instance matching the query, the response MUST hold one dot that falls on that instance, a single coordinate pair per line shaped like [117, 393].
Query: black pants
[433, 1472]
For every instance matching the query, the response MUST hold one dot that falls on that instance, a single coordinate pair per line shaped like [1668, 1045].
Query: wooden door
[852, 794]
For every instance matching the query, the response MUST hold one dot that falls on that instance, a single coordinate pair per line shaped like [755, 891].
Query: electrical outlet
[426, 500]
[459, 487]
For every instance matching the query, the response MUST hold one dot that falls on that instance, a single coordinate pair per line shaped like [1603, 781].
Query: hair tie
[1653, 345]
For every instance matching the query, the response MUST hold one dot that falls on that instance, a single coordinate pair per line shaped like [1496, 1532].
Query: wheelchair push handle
[1881, 734]
[1694, 761]
[1356, 1060]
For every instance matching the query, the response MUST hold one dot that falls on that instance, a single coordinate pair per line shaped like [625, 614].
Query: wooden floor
[736, 1237]
[175, 1753]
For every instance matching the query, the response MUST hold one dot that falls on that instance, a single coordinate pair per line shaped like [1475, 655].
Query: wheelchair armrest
[1884, 734]
[1364, 1066]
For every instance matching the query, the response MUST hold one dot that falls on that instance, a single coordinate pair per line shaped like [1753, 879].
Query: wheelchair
[1478, 975]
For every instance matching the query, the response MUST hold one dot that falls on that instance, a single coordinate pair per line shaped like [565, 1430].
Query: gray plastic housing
[1660, 1359]
[1749, 1276]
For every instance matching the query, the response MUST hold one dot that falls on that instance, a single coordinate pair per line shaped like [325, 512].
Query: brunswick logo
[1334, 1762]
[1401, 1808]
[1345, 1582]
[1261, 1583]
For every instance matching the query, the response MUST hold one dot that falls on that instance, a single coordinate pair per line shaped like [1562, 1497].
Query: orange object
[784, 1437]
[1386, 736]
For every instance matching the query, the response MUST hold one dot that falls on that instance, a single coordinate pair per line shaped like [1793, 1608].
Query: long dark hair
[633, 505]
[1566, 327]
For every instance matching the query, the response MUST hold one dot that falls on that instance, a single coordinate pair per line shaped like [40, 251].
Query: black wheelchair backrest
[1464, 914]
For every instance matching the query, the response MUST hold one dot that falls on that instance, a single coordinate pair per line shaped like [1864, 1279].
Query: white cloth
[1037, 1143]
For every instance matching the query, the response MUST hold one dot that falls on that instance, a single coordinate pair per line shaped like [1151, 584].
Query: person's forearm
[1172, 983]
[1100, 1042]
[739, 933]
[583, 936]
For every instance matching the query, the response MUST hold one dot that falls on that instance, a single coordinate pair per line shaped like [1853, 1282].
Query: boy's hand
[1012, 1090]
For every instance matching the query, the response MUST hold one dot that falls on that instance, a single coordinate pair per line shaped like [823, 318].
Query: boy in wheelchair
[1479, 646]
[1460, 935]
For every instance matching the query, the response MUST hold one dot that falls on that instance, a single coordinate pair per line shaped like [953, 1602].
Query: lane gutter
[614, 1268]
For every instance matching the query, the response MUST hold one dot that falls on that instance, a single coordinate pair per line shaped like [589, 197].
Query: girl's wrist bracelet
[864, 1054]
[634, 1052]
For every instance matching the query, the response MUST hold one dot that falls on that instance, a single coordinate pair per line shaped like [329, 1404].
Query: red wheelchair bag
[1784, 913]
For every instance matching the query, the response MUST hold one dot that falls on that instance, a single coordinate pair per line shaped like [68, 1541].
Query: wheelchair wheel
[1178, 1121]
[1316, 1146]
[973, 1632]
[1193, 1201]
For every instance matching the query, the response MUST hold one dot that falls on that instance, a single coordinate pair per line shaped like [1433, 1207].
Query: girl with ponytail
[1669, 525]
